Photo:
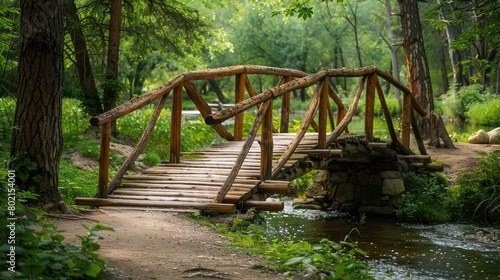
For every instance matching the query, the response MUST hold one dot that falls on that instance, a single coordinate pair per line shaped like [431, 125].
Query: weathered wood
[239, 96]
[102, 189]
[204, 109]
[348, 116]
[311, 111]
[416, 158]
[414, 103]
[285, 107]
[262, 205]
[216, 207]
[441, 130]
[244, 150]
[270, 93]
[175, 125]
[321, 152]
[139, 147]
[323, 110]
[276, 187]
[387, 113]
[136, 103]
[266, 143]
[370, 105]
[340, 106]
[406, 121]
[418, 137]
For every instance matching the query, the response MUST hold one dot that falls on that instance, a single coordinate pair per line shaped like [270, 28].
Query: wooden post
[370, 106]
[323, 111]
[102, 190]
[406, 121]
[266, 144]
[285, 108]
[239, 96]
[175, 126]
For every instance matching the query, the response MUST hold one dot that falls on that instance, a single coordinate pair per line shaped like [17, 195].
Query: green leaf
[295, 260]
[93, 270]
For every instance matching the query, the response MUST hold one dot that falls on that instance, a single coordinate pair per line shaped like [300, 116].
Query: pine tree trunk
[38, 133]
[416, 60]
[91, 101]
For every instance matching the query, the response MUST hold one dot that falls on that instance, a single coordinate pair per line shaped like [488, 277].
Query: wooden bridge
[230, 176]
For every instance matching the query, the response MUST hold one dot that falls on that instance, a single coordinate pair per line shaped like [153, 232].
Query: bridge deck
[196, 180]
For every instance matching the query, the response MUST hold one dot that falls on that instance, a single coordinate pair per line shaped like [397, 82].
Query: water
[399, 250]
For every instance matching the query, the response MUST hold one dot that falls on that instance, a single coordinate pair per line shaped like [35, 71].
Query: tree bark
[91, 101]
[416, 60]
[394, 50]
[38, 115]
[111, 91]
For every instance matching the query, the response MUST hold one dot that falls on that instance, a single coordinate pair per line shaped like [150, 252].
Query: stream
[400, 250]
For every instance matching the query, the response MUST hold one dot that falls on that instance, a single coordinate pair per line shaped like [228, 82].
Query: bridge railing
[183, 82]
[319, 102]
[290, 80]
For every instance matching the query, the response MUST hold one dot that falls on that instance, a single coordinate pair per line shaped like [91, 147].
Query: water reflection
[396, 250]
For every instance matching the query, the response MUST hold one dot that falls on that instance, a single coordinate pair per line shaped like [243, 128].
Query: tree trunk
[441, 53]
[111, 90]
[418, 72]
[38, 115]
[215, 86]
[452, 34]
[394, 50]
[416, 60]
[90, 101]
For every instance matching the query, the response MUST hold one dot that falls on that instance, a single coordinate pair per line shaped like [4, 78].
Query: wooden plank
[216, 207]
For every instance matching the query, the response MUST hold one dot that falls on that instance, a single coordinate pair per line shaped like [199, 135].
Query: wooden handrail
[264, 101]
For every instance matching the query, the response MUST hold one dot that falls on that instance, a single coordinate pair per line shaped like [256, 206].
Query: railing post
[323, 113]
[285, 108]
[175, 126]
[406, 121]
[370, 106]
[102, 190]
[266, 144]
[239, 96]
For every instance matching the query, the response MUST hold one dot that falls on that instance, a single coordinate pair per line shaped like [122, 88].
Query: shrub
[486, 113]
[40, 251]
[424, 200]
[477, 195]
[456, 104]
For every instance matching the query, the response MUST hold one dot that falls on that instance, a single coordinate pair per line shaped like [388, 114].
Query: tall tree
[38, 134]
[90, 100]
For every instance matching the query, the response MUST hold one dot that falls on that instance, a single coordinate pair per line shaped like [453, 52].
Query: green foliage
[458, 104]
[7, 108]
[424, 200]
[304, 181]
[477, 195]
[74, 119]
[27, 171]
[75, 181]
[486, 113]
[327, 259]
[151, 159]
[39, 248]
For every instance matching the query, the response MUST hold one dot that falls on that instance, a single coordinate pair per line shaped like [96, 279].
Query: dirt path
[165, 245]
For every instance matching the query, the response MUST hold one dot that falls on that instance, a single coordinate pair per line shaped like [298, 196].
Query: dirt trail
[165, 245]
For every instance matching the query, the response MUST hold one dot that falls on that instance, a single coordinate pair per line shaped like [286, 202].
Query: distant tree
[37, 137]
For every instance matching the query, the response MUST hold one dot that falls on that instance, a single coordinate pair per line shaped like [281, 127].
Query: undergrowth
[324, 260]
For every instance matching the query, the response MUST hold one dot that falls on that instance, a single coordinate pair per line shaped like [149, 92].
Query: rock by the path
[479, 137]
